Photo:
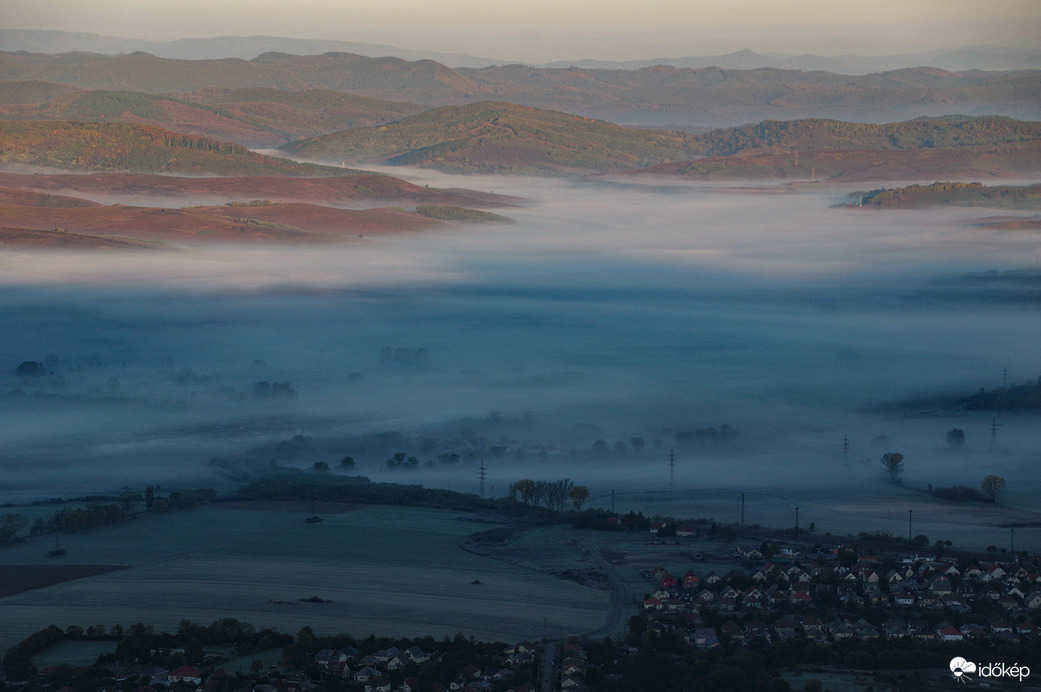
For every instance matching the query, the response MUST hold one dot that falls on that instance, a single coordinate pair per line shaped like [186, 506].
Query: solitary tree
[893, 464]
[579, 494]
[992, 485]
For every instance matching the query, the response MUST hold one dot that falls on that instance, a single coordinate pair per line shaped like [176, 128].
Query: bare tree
[992, 485]
[558, 492]
[525, 487]
[893, 464]
[541, 492]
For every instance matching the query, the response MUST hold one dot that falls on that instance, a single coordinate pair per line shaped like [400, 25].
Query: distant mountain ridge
[654, 96]
[989, 58]
[985, 58]
[243, 47]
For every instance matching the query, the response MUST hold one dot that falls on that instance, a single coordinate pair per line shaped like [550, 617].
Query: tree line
[554, 494]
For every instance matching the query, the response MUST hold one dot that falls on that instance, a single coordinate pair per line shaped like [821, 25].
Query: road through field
[620, 595]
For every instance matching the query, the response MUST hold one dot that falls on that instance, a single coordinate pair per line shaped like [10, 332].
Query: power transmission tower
[672, 468]
[482, 474]
[845, 446]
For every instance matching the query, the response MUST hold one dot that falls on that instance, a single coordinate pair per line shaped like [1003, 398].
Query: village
[837, 594]
[460, 665]
[824, 597]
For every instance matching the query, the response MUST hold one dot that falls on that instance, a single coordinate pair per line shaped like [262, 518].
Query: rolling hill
[860, 164]
[261, 117]
[99, 146]
[955, 194]
[817, 149]
[495, 137]
[32, 92]
[836, 135]
[289, 115]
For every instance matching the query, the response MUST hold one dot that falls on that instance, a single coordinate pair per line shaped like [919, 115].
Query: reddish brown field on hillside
[31, 223]
[331, 190]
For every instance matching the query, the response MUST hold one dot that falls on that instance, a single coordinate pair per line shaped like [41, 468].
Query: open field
[968, 525]
[15, 579]
[382, 570]
[75, 653]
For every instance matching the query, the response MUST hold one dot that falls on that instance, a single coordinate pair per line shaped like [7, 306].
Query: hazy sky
[544, 30]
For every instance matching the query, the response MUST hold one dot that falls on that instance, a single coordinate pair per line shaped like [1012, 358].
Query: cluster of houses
[386, 670]
[395, 670]
[573, 667]
[821, 599]
[151, 678]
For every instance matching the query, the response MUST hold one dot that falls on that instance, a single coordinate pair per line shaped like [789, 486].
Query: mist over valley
[566, 368]
[749, 329]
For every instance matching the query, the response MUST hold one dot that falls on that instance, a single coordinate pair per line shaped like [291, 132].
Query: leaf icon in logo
[959, 666]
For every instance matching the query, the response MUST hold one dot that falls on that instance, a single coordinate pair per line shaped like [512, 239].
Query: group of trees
[400, 461]
[603, 450]
[273, 390]
[554, 494]
[10, 526]
[100, 510]
[893, 465]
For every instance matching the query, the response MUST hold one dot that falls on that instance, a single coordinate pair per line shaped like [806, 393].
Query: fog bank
[608, 312]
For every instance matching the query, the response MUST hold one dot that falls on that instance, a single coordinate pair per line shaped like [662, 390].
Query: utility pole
[612, 500]
[845, 446]
[909, 513]
[742, 509]
[796, 520]
[482, 476]
[672, 468]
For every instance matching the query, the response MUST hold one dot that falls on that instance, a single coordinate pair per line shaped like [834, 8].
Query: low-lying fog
[607, 312]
